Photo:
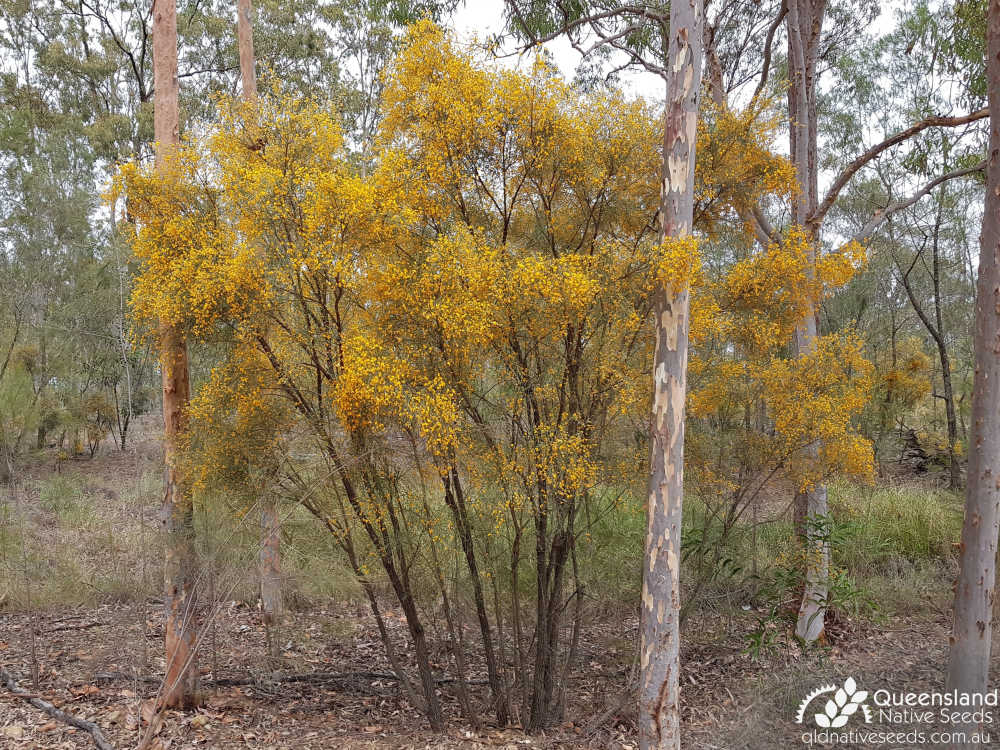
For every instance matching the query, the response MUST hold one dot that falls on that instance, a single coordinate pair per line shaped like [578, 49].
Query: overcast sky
[484, 18]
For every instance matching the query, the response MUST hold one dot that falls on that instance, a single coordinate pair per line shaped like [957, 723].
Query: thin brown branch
[852, 169]
[882, 215]
[768, 43]
[571, 26]
[88, 726]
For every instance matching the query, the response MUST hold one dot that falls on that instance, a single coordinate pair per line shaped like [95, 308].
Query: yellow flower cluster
[370, 386]
[813, 399]
[677, 263]
[736, 164]
[908, 379]
[484, 289]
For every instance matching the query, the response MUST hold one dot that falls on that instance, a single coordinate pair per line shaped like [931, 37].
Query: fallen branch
[321, 677]
[83, 626]
[88, 726]
[278, 677]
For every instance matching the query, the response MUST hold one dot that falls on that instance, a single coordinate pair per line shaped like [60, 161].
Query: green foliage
[18, 405]
[885, 525]
[66, 496]
[965, 45]
[763, 640]
[884, 541]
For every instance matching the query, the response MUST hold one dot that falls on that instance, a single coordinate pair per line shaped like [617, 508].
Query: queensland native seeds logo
[844, 703]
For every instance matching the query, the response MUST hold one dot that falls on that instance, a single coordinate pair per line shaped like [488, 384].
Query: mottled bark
[180, 599]
[811, 511]
[659, 687]
[804, 23]
[968, 669]
[180, 570]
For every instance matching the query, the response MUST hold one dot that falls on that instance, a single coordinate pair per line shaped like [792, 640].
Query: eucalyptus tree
[181, 569]
[972, 632]
[756, 49]
[647, 34]
[812, 51]
[659, 659]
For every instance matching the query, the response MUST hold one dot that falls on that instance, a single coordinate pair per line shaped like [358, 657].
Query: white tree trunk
[659, 688]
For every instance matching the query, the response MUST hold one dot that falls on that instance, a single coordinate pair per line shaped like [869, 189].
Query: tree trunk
[804, 23]
[180, 599]
[248, 61]
[968, 668]
[454, 497]
[936, 330]
[811, 512]
[270, 562]
[659, 686]
[269, 559]
[954, 469]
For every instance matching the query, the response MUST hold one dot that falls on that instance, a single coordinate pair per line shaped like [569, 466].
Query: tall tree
[180, 595]
[807, 44]
[933, 322]
[972, 631]
[248, 61]
[659, 686]
[270, 543]
[804, 23]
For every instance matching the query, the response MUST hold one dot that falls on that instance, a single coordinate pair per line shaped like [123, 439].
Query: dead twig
[83, 626]
[88, 726]
[323, 677]
[278, 677]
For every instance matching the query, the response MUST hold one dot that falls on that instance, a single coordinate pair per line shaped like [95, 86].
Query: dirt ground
[102, 663]
[87, 666]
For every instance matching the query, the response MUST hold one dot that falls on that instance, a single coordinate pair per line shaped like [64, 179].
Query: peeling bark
[180, 599]
[180, 569]
[659, 688]
[968, 668]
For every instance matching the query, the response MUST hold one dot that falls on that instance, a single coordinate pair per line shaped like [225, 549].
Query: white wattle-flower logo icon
[842, 706]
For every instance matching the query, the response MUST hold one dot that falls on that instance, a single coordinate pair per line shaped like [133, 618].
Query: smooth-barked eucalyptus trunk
[659, 686]
[180, 570]
[269, 558]
[968, 669]
[804, 24]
